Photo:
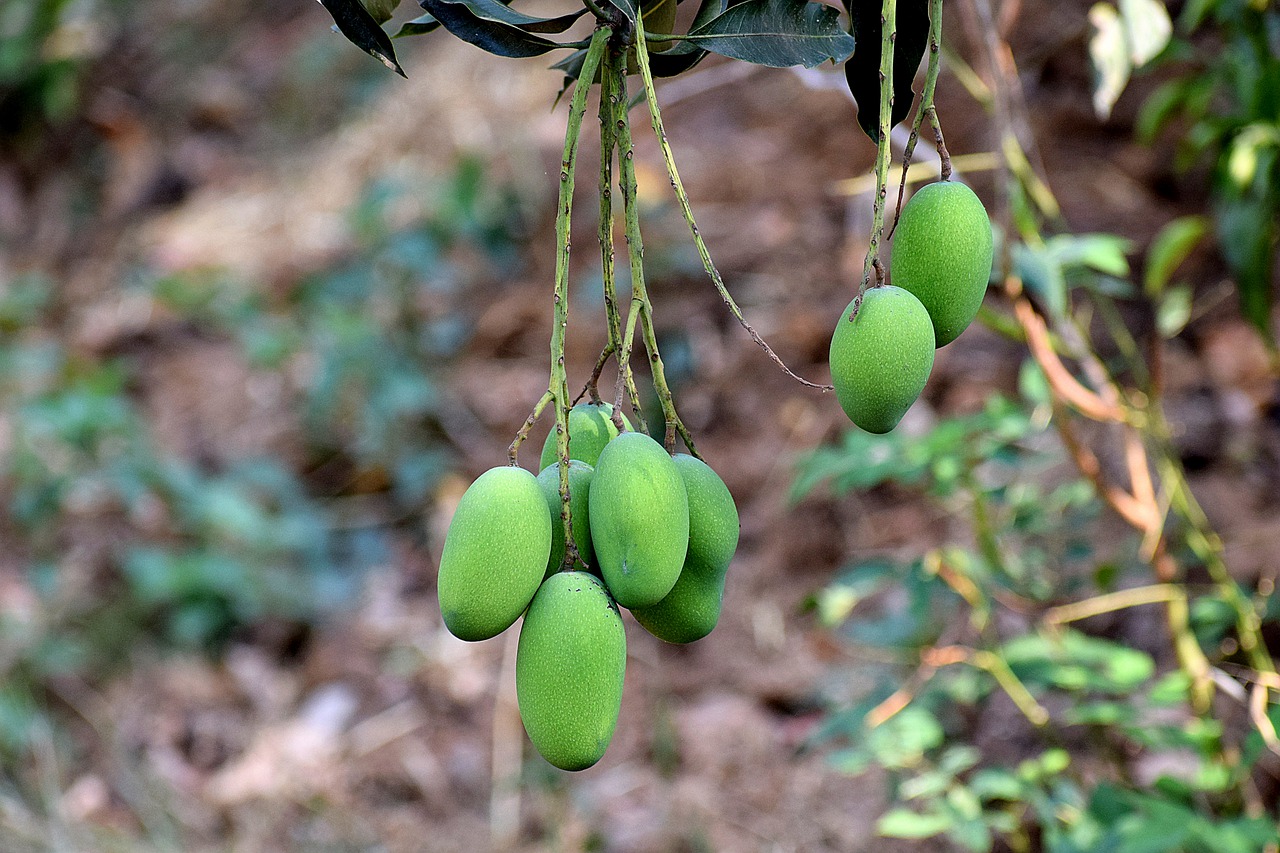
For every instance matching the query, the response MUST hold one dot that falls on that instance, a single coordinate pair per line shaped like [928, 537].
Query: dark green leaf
[380, 10]
[684, 55]
[418, 26]
[363, 31]
[862, 71]
[493, 26]
[776, 33]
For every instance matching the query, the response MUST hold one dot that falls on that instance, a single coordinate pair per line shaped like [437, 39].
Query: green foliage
[199, 551]
[862, 70]
[960, 655]
[1225, 90]
[776, 33]
[45, 47]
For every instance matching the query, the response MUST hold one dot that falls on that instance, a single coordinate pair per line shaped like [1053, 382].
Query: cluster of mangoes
[882, 350]
[654, 534]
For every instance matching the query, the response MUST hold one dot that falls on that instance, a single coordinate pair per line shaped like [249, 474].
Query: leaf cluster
[1222, 92]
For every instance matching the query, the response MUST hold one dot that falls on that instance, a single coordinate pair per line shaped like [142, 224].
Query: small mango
[590, 429]
[570, 663]
[692, 608]
[881, 360]
[580, 474]
[495, 553]
[639, 520]
[942, 253]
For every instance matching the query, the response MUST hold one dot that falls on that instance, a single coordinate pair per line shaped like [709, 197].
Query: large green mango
[590, 429]
[692, 608]
[569, 669]
[942, 253]
[495, 553]
[880, 360]
[579, 489]
[639, 520]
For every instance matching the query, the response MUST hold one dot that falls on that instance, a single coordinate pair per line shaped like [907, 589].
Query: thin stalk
[655, 115]
[926, 104]
[635, 252]
[559, 385]
[523, 433]
[609, 144]
[889, 30]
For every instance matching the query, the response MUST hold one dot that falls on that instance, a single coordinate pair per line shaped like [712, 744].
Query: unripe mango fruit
[881, 359]
[942, 253]
[495, 553]
[692, 608]
[580, 474]
[639, 520]
[590, 429]
[569, 669]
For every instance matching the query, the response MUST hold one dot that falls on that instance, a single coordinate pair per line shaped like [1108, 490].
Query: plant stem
[889, 34]
[635, 252]
[523, 432]
[608, 144]
[559, 386]
[655, 115]
[926, 104]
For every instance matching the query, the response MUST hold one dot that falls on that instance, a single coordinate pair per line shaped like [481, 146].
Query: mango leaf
[380, 10]
[862, 71]
[684, 55]
[418, 26]
[496, 28]
[776, 33]
[628, 8]
[362, 30]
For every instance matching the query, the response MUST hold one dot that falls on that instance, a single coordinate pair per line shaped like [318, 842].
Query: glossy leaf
[418, 26]
[684, 55]
[776, 33]
[360, 28]
[380, 10]
[496, 28]
[862, 71]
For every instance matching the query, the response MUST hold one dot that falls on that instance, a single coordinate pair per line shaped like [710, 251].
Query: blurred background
[266, 309]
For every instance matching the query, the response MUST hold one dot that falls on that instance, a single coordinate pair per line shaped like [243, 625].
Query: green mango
[639, 520]
[569, 669]
[590, 429]
[880, 361]
[580, 474]
[692, 608]
[495, 553]
[942, 254]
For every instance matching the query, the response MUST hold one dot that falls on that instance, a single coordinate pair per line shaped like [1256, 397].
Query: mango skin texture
[639, 520]
[495, 553]
[580, 474]
[942, 253]
[590, 429]
[570, 663]
[691, 610]
[881, 360]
